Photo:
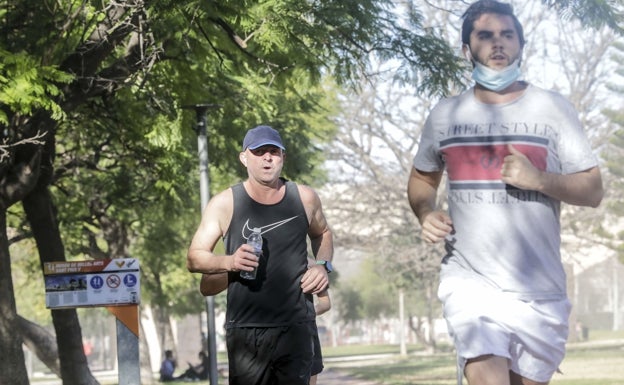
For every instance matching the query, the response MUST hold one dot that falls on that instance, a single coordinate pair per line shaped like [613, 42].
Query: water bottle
[255, 240]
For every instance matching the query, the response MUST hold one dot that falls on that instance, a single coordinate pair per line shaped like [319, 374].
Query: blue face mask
[496, 80]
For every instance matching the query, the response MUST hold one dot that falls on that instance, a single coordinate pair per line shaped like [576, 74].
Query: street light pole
[202, 150]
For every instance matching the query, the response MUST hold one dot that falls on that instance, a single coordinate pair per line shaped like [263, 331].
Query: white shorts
[485, 321]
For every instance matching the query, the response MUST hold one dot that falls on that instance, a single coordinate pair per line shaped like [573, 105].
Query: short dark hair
[488, 6]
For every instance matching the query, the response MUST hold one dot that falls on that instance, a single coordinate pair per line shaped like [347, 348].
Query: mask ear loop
[467, 53]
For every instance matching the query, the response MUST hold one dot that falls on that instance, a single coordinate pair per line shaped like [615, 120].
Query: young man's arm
[422, 188]
[582, 188]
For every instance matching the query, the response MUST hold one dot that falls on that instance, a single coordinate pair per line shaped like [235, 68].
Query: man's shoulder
[305, 190]
[309, 197]
[453, 101]
[223, 200]
[549, 99]
[224, 194]
[534, 90]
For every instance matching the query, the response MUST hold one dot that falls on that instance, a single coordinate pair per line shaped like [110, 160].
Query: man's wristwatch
[328, 265]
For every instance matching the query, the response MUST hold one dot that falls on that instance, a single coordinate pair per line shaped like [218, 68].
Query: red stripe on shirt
[484, 162]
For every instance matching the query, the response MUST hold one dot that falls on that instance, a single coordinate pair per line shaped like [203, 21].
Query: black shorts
[271, 356]
[317, 362]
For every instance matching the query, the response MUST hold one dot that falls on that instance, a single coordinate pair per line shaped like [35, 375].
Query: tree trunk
[41, 215]
[162, 320]
[41, 342]
[431, 297]
[147, 375]
[12, 365]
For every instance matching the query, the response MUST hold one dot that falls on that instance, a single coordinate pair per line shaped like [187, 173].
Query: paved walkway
[331, 376]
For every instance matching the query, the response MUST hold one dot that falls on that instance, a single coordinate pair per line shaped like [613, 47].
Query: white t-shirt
[507, 237]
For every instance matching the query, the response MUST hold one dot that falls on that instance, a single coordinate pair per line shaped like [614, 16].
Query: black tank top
[275, 297]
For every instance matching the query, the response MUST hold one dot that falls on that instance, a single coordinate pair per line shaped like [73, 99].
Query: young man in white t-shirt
[512, 153]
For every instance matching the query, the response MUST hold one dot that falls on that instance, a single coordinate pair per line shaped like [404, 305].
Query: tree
[378, 136]
[77, 67]
[614, 153]
[71, 67]
[592, 13]
[583, 74]
[369, 161]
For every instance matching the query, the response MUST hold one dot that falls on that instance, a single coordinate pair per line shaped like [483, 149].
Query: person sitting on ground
[167, 367]
[197, 372]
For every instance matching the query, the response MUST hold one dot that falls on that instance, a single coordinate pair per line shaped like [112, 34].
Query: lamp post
[202, 150]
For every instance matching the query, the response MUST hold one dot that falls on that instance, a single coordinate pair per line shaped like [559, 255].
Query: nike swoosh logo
[247, 230]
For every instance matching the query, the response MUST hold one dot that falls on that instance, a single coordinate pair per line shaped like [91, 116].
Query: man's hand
[518, 171]
[436, 226]
[244, 259]
[315, 280]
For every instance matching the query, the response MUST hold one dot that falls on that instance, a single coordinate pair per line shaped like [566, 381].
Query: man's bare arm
[422, 188]
[321, 240]
[583, 188]
[215, 220]
[213, 284]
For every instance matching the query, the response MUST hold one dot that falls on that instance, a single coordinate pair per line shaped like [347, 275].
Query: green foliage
[28, 278]
[613, 153]
[114, 77]
[26, 87]
[359, 299]
[161, 246]
[351, 304]
[593, 13]
[134, 177]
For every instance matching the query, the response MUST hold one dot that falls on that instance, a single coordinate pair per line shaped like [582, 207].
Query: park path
[331, 376]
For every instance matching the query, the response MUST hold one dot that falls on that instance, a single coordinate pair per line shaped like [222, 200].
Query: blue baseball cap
[262, 136]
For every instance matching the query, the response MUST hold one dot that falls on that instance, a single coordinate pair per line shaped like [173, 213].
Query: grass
[595, 362]
[580, 367]
[600, 335]
[592, 363]
[413, 370]
[592, 367]
[359, 350]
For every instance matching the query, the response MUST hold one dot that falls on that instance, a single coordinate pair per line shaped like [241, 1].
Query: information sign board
[98, 282]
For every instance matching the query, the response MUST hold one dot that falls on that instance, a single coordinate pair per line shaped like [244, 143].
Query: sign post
[127, 343]
[112, 283]
[204, 181]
